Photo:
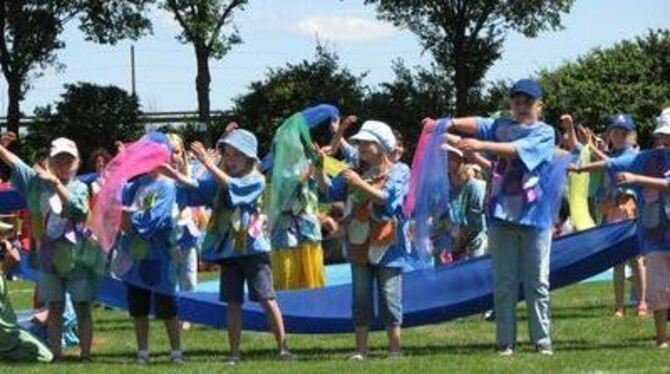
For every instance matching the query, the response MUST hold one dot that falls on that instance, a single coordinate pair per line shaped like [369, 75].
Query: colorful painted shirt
[298, 221]
[376, 234]
[237, 227]
[515, 188]
[59, 227]
[653, 224]
[144, 257]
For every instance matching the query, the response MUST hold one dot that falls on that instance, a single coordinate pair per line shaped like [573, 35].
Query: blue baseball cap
[622, 121]
[242, 140]
[526, 87]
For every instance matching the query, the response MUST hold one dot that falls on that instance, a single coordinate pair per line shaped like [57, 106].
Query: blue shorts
[388, 283]
[254, 270]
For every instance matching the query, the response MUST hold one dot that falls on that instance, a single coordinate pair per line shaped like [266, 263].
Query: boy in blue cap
[617, 204]
[521, 150]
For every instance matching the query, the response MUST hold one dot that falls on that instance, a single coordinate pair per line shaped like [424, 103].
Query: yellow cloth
[578, 192]
[333, 166]
[299, 267]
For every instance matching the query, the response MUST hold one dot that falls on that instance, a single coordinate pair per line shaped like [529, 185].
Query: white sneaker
[505, 352]
[357, 357]
[142, 357]
[232, 360]
[663, 345]
[545, 350]
[177, 357]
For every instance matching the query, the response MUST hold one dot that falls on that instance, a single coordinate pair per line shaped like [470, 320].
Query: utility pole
[132, 68]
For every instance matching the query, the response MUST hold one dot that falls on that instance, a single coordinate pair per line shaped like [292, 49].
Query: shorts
[140, 300]
[254, 270]
[658, 280]
[81, 284]
[387, 282]
[187, 270]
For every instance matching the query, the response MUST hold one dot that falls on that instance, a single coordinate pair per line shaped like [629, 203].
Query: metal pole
[132, 68]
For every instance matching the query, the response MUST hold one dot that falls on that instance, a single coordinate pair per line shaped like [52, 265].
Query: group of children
[160, 229]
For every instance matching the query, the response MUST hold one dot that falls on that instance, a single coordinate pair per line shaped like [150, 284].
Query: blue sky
[279, 31]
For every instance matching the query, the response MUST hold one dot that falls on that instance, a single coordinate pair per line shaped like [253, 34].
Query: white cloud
[342, 28]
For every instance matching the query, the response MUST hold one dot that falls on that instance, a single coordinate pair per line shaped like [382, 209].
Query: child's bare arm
[643, 180]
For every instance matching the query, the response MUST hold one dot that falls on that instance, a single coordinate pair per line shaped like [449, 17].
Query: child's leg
[640, 283]
[166, 309]
[661, 321]
[276, 323]
[505, 245]
[619, 280]
[55, 328]
[232, 292]
[362, 311]
[389, 284]
[139, 304]
[234, 324]
[85, 323]
[536, 253]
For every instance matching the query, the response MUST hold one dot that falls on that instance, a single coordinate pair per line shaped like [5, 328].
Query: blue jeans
[389, 287]
[521, 255]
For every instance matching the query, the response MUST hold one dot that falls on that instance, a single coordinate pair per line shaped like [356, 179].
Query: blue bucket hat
[242, 140]
[526, 87]
[622, 121]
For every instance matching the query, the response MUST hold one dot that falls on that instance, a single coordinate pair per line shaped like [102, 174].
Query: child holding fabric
[519, 212]
[61, 200]
[376, 231]
[144, 259]
[236, 235]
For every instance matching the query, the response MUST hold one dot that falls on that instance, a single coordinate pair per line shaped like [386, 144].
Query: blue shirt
[653, 224]
[237, 227]
[394, 190]
[515, 188]
[609, 191]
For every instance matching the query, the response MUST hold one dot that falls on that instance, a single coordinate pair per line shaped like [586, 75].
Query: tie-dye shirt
[515, 189]
[653, 226]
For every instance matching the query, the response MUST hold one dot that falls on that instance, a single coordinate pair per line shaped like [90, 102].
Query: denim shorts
[253, 270]
[388, 282]
[82, 284]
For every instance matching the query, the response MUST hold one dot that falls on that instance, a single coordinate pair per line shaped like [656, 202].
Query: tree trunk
[202, 82]
[13, 105]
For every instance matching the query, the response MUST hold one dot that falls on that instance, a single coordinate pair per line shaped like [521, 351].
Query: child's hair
[99, 152]
[177, 142]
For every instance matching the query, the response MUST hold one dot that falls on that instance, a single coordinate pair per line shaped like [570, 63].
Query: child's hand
[7, 139]
[572, 168]
[626, 178]
[347, 122]
[120, 147]
[352, 178]
[169, 171]
[566, 122]
[230, 127]
[45, 173]
[427, 122]
[470, 145]
[320, 156]
[200, 152]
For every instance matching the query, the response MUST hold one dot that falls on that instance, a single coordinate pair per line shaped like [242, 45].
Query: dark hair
[99, 152]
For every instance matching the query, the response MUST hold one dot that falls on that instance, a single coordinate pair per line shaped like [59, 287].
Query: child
[144, 258]
[520, 223]
[16, 344]
[62, 201]
[236, 236]
[376, 232]
[618, 205]
[649, 173]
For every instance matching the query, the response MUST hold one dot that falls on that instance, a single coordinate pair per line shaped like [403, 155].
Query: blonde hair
[466, 172]
[177, 142]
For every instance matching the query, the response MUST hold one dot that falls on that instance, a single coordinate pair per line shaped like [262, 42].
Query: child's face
[525, 109]
[369, 151]
[236, 162]
[662, 141]
[177, 158]
[618, 138]
[100, 163]
[64, 166]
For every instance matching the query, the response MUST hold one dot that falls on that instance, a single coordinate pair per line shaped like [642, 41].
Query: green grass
[586, 338]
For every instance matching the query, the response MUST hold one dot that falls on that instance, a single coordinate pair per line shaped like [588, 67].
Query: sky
[277, 32]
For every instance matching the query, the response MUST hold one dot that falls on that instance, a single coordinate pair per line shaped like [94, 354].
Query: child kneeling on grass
[237, 235]
[520, 221]
[376, 231]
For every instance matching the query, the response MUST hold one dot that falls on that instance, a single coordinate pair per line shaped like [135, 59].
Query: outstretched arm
[200, 152]
[643, 180]
[6, 155]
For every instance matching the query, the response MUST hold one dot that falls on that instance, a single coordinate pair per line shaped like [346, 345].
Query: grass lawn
[586, 338]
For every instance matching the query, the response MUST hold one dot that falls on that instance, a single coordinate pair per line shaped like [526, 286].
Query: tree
[294, 87]
[91, 115]
[202, 23]
[466, 37]
[30, 31]
[631, 77]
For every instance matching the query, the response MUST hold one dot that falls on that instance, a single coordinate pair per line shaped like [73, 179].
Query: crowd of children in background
[207, 205]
